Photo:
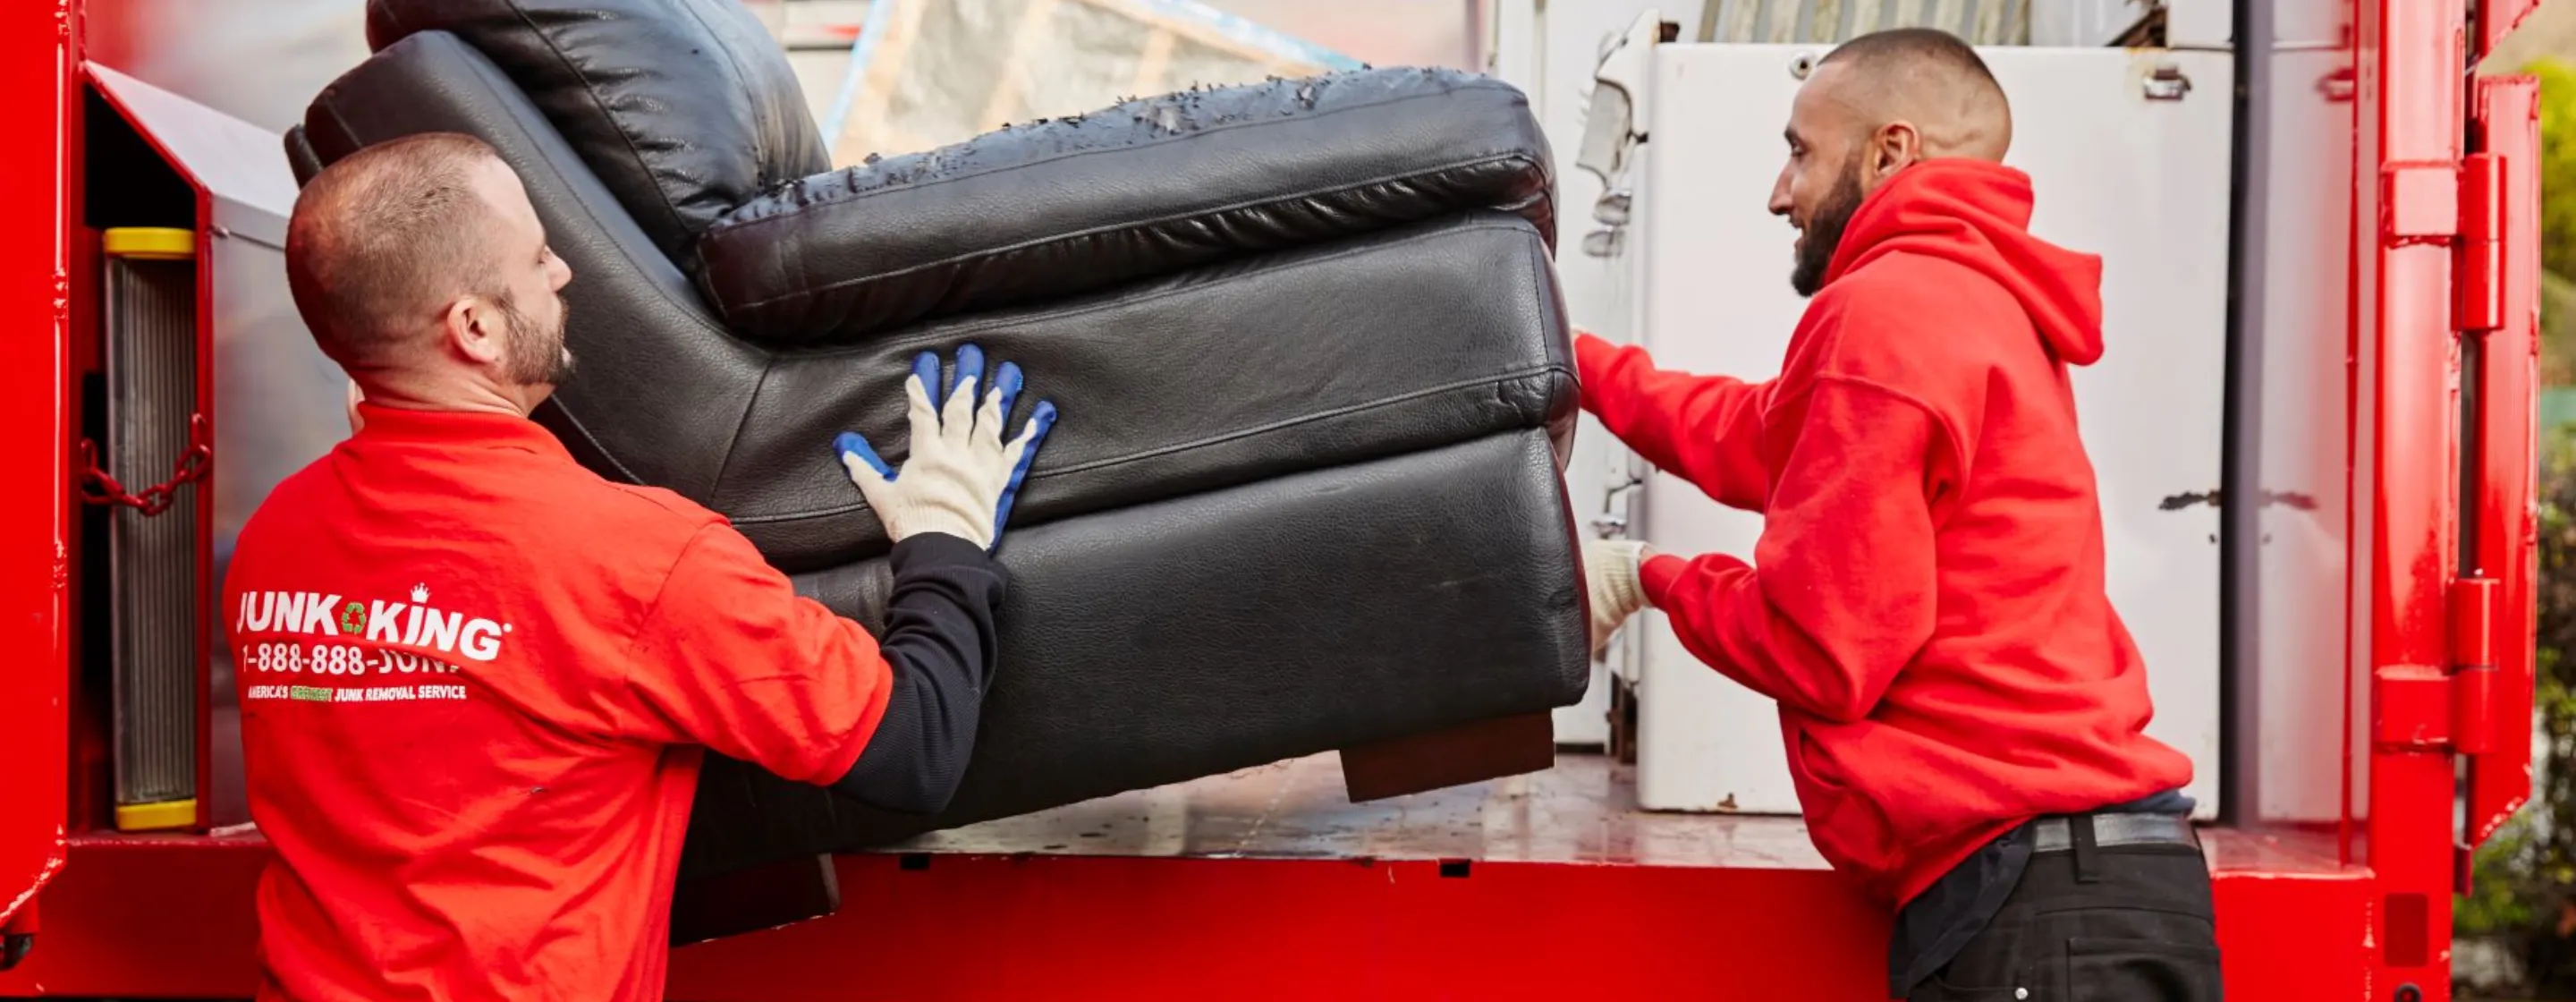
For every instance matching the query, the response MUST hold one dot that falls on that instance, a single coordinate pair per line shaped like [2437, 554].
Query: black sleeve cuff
[940, 642]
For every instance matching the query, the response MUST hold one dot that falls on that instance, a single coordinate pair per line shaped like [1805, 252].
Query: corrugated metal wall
[1786, 22]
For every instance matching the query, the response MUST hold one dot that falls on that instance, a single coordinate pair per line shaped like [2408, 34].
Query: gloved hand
[1610, 574]
[960, 477]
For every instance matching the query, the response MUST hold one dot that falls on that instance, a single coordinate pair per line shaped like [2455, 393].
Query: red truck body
[1264, 884]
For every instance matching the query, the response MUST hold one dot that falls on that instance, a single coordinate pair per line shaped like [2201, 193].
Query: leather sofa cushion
[1056, 208]
[684, 109]
[1406, 339]
[1185, 638]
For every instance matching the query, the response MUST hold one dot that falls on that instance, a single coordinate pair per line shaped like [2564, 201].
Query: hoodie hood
[1978, 214]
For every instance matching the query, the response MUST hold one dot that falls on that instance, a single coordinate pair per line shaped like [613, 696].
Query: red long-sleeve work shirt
[476, 684]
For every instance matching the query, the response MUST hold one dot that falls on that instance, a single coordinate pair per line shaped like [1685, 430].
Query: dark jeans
[2106, 924]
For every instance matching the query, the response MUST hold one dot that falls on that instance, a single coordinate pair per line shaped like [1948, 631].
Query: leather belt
[2056, 835]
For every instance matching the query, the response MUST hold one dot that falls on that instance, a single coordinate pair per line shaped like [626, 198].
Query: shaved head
[420, 266]
[1874, 106]
[383, 239]
[1925, 79]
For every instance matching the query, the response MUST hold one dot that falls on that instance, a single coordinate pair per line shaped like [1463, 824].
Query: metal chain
[99, 488]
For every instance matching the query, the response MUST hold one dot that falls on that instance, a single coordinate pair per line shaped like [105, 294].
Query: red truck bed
[1266, 884]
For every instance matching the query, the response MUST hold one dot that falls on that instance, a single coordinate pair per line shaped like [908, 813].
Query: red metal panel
[2507, 114]
[2410, 707]
[34, 492]
[171, 916]
[2295, 938]
[202, 499]
[2410, 107]
[148, 916]
[2498, 18]
[1127, 927]
[2422, 201]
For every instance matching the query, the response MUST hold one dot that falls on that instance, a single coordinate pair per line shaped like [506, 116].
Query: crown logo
[419, 593]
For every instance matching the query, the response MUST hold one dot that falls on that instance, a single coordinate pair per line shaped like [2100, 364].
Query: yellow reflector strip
[151, 242]
[152, 817]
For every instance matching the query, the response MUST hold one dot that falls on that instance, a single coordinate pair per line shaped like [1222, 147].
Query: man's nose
[1780, 203]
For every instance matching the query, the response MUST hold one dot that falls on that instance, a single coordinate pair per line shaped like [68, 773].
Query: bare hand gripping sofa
[1305, 336]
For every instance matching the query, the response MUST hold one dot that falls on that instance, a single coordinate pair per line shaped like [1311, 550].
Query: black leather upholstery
[1342, 352]
[1400, 341]
[662, 388]
[684, 109]
[1144, 188]
[1336, 616]
[1301, 499]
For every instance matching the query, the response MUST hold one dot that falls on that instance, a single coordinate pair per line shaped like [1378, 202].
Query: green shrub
[2528, 868]
[2557, 163]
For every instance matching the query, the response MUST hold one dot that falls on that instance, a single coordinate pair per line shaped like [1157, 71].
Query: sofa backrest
[660, 389]
[1143, 189]
[684, 108]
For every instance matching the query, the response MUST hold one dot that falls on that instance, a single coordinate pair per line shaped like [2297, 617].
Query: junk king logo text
[413, 624]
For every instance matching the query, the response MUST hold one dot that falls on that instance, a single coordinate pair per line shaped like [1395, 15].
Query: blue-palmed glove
[960, 476]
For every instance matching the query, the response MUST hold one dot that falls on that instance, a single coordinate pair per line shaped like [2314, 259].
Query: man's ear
[1894, 147]
[472, 327]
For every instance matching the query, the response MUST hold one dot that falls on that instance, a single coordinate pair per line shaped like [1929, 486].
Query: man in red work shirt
[1963, 709]
[478, 679]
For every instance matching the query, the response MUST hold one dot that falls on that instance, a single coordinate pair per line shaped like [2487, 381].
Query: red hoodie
[1926, 601]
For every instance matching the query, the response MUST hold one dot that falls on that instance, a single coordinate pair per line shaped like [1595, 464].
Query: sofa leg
[1469, 753]
[762, 897]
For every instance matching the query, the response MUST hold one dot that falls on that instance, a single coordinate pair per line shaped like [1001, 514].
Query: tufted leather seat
[1305, 335]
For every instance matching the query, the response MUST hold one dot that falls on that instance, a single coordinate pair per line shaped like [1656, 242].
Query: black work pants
[2127, 923]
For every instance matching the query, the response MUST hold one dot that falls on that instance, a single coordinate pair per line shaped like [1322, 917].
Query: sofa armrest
[1140, 189]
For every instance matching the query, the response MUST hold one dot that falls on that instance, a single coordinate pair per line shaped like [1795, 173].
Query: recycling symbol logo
[353, 618]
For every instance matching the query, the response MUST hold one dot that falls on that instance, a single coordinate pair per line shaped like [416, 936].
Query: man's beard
[537, 355]
[1823, 233]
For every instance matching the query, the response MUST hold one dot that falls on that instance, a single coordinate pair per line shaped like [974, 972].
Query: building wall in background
[1378, 32]
[263, 60]
[257, 60]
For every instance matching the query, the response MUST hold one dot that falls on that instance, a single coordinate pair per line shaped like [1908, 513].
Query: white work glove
[1610, 574]
[960, 477]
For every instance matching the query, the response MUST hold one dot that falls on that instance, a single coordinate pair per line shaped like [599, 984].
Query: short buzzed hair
[386, 237]
[1935, 80]
[1914, 47]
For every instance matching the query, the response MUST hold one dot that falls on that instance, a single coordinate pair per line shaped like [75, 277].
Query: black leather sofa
[1305, 336]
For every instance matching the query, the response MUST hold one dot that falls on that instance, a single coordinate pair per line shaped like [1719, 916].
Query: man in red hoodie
[1963, 709]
